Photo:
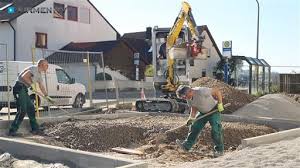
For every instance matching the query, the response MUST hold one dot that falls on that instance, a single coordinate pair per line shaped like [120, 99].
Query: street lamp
[257, 42]
[257, 33]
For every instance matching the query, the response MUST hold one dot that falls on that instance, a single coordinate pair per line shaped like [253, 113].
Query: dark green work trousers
[216, 131]
[24, 105]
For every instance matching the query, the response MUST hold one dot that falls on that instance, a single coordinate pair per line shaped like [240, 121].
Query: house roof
[135, 35]
[140, 46]
[101, 46]
[142, 35]
[20, 5]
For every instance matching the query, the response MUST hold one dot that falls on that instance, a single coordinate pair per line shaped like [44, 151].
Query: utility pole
[257, 32]
[257, 44]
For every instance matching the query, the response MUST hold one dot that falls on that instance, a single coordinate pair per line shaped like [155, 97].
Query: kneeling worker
[28, 78]
[202, 100]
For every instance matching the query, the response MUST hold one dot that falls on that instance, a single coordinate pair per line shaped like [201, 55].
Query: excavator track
[165, 105]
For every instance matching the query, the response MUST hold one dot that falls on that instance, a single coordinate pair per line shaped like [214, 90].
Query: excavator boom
[171, 103]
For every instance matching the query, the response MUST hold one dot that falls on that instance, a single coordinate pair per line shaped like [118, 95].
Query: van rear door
[63, 90]
[12, 76]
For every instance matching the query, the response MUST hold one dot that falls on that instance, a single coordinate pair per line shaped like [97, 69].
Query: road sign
[227, 48]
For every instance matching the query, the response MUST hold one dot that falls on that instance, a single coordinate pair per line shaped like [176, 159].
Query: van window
[100, 77]
[62, 77]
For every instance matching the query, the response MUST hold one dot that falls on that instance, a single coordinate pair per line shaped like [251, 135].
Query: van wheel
[32, 98]
[79, 101]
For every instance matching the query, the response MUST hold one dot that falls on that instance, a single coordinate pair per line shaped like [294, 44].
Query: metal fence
[5, 82]
[84, 74]
[70, 77]
[285, 79]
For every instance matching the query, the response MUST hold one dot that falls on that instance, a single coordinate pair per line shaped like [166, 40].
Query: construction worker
[28, 78]
[202, 100]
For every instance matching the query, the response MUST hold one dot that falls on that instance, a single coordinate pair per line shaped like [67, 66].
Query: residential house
[49, 24]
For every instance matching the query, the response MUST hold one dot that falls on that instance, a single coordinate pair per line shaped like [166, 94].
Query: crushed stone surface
[8, 161]
[142, 133]
[231, 95]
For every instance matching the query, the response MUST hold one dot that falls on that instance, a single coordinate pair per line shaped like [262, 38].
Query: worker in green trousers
[28, 78]
[202, 100]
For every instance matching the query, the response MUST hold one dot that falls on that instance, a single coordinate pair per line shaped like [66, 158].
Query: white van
[61, 87]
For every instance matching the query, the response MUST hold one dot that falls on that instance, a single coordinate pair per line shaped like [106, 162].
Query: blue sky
[227, 20]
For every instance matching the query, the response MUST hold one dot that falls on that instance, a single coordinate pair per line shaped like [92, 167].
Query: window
[72, 13]
[63, 77]
[59, 11]
[100, 77]
[84, 15]
[41, 40]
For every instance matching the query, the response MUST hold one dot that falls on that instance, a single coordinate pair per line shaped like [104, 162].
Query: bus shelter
[251, 75]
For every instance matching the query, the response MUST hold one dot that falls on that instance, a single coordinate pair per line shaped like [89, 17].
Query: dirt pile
[94, 136]
[141, 133]
[230, 94]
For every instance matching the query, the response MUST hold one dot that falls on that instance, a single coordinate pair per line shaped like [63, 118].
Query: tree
[233, 64]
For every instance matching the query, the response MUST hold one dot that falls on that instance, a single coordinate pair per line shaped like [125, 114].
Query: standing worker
[29, 77]
[202, 100]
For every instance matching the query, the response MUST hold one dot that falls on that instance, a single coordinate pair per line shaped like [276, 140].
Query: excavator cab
[160, 62]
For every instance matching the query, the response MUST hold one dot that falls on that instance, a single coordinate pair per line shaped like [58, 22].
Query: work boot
[37, 132]
[181, 146]
[217, 153]
[13, 133]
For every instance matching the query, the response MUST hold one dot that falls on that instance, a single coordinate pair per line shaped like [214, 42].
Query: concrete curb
[271, 138]
[72, 158]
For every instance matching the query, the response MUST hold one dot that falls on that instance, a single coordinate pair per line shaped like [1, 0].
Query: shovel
[162, 137]
[52, 103]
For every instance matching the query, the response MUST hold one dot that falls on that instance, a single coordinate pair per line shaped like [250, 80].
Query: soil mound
[231, 95]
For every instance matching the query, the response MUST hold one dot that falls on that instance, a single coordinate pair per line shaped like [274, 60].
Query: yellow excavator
[177, 55]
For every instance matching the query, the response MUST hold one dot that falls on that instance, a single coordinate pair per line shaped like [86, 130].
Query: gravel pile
[94, 135]
[230, 94]
[142, 132]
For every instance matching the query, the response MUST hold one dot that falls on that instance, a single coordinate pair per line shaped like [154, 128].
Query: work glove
[33, 87]
[220, 107]
[190, 121]
[49, 99]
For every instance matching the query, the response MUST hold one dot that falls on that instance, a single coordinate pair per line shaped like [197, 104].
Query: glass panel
[251, 60]
[241, 76]
[62, 77]
[264, 62]
[267, 79]
[260, 78]
[254, 81]
[258, 61]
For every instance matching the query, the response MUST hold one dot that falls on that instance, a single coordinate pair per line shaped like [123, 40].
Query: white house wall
[209, 63]
[60, 32]
[6, 38]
